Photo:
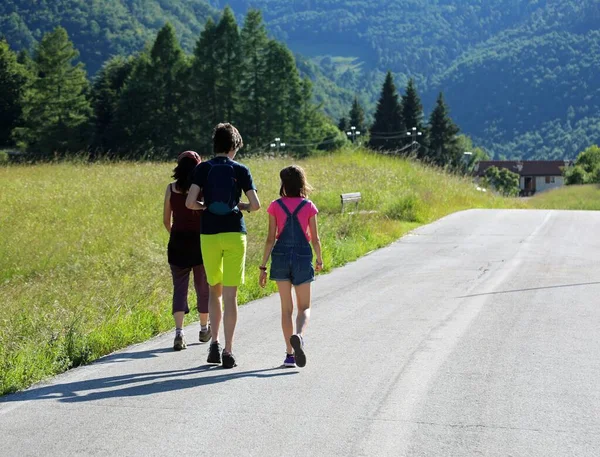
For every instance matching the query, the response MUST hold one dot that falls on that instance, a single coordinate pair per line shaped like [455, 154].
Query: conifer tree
[229, 64]
[203, 110]
[106, 91]
[343, 124]
[253, 89]
[443, 141]
[357, 116]
[13, 79]
[412, 114]
[387, 132]
[57, 110]
[150, 109]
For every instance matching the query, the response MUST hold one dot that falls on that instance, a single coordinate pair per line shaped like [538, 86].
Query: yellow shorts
[224, 256]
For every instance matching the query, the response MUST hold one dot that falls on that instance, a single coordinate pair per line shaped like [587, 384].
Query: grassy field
[570, 197]
[83, 268]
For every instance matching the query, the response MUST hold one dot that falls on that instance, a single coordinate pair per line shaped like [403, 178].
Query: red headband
[191, 155]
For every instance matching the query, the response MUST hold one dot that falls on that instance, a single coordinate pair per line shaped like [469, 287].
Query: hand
[319, 265]
[242, 206]
[262, 279]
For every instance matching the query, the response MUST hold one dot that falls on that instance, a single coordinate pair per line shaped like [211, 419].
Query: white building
[535, 175]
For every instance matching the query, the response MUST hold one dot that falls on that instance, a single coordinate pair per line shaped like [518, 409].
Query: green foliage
[3, 157]
[443, 144]
[13, 80]
[357, 116]
[569, 197]
[503, 180]
[387, 131]
[56, 109]
[101, 29]
[586, 169]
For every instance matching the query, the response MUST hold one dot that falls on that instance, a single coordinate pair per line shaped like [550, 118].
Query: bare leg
[287, 311]
[303, 299]
[214, 308]
[230, 318]
[179, 316]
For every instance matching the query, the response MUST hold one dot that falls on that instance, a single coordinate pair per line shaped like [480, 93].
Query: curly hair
[293, 182]
[226, 138]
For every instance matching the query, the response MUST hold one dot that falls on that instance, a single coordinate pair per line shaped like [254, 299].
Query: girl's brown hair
[293, 182]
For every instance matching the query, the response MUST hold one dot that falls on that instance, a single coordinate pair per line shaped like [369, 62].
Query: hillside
[522, 77]
[102, 28]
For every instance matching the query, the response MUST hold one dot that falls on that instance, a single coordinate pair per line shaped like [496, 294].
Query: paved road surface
[476, 335]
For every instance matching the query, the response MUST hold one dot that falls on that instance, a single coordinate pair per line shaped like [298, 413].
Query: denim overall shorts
[291, 258]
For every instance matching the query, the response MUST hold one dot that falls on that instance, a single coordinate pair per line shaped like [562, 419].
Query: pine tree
[357, 116]
[387, 132]
[343, 125]
[151, 107]
[56, 110]
[229, 64]
[13, 80]
[412, 114]
[443, 143]
[253, 92]
[282, 81]
[203, 110]
[106, 92]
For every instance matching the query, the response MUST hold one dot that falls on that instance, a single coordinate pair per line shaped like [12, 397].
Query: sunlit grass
[83, 267]
[569, 197]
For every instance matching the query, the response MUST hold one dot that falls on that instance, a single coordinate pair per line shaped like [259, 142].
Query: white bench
[353, 197]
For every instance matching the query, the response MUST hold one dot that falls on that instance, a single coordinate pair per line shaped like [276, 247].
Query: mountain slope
[102, 28]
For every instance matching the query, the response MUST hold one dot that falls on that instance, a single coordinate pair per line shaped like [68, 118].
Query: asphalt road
[476, 335]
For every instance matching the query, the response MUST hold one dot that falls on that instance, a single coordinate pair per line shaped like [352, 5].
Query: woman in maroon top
[184, 251]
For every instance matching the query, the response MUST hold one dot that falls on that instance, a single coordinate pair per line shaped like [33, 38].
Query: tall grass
[83, 267]
[570, 197]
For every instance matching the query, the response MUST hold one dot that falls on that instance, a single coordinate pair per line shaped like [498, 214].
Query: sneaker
[290, 361]
[204, 336]
[228, 360]
[214, 353]
[179, 342]
[298, 344]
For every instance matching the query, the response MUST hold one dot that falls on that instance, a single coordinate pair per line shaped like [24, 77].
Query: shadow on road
[140, 384]
[530, 289]
[134, 355]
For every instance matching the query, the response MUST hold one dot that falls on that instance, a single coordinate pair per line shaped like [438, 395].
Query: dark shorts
[184, 249]
[289, 265]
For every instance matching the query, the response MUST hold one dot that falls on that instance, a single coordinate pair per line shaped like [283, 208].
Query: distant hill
[102, 28]
[521, 76]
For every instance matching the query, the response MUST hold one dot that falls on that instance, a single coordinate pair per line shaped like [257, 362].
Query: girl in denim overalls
[292, 230]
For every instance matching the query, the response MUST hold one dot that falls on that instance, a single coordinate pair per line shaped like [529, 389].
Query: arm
[191, 202]
[315, 241]
[254, 202]
[268, 248]
[167, 209]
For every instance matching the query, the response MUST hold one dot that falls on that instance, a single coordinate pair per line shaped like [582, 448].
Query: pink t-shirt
[308, 211]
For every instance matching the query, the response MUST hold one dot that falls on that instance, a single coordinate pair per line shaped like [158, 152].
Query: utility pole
[414, 134]
[353, 133]
[277, 145]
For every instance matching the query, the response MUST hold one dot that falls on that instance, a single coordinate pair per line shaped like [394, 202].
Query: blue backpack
[221, 189]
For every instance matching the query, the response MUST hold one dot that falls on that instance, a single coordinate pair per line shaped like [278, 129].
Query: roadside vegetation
[83, 268]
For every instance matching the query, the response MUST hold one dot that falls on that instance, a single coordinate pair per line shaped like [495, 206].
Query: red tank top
[184, 219]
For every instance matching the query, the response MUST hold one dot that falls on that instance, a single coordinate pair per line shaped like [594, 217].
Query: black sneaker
[179, 343]
[228, 360]
[204, 336]
[214, 353]
[298, 344]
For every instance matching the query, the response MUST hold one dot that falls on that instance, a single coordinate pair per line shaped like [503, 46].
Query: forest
[522, 76]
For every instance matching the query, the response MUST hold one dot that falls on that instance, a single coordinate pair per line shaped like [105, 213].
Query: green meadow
[570, 197]
[83, 268]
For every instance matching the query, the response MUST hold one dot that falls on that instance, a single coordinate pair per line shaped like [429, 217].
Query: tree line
[161, 100]
[399, 127]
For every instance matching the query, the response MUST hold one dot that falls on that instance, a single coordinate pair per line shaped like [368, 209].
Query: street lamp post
[414, 134]
[353, 133]
[277, 145]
